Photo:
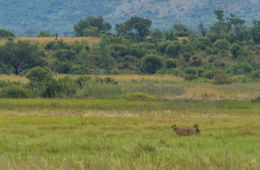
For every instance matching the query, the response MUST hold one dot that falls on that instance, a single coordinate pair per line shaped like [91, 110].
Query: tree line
[228, 48]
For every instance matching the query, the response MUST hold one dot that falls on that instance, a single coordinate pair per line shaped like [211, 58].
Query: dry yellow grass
[116, 77]
[144, 77]
[131, 77]
[43, 40]
[183, 38]
[13, 78]
[205, 93]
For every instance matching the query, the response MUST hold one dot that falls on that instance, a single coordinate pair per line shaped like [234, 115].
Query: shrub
[190, 77]
[39, 74]
[221, 44]
[195, 62]
[82, 80]
[173, 49]
[138, 96]
[110, 80]
[222, 78]
[5, 33]
[171, 64]
[151, 64]
[256, 75]
[50, 45]
[98, 89]
[209, 74]
[15, 91]
[191, 70]
[256, 99]
[63, 67]
[64, 87]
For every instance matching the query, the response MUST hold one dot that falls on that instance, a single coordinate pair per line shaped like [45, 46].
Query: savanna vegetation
[109, 101]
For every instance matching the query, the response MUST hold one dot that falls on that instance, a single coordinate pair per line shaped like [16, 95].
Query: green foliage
[44, 33]
[171, 63]
[63, 87]
[39, 74]
[92, 26]
[190, 77]
[256, 75]
[100, 88]
[235, 50]
[151, 64]
[222, 78]
[209, 74]
[221, 45]
[15, 91]
[63, 67]
[173, 49]
[202, 42]
[256, 31]
[136, 26]
[5, 34]
[65, 54]
[138, 96]
[21, 55]
[181, 30]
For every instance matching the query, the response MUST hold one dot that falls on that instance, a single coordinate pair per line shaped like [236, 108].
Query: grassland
[44, 40]
[115, 133]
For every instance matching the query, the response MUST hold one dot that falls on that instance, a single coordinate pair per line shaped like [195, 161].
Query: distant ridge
[27, 17]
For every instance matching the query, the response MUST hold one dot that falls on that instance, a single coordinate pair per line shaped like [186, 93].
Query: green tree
[5, 33]
[173, 49]
[181, 30]
[219, 14]
[256, 31]
[44, 34]
[21, 55]
[65, 54]
[137, 26]
[39, 74]
[151, 64]
[221, 45]
[92, 26]
[235, 50]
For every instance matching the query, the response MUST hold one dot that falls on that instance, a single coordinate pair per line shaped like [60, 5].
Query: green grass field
[102, 129]
[121, 134]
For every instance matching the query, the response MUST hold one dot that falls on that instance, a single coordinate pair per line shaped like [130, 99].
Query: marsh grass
[127, 143]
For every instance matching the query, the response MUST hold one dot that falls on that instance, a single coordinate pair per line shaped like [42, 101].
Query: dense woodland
[228, 49]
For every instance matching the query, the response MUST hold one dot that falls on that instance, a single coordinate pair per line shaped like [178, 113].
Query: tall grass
[127, 143]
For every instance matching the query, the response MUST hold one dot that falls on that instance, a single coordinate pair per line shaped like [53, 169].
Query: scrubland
[118, 132]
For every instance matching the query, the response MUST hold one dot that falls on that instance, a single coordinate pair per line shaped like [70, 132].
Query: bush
[5, 33]
[171, 64]
[138, 96]
[151, 64]
[39, 74]
[82, 80]
[221, 44]
[191, 70]
[64, 87]
[209, 74]
[256, 75]
[173, 49]
[222, 78]
[15, 91]
[190, 77]
[256, 99]
[96, 88]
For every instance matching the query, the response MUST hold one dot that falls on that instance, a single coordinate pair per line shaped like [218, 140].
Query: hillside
[27, 17]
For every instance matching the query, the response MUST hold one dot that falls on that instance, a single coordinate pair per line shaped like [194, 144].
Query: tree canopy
[92, 26]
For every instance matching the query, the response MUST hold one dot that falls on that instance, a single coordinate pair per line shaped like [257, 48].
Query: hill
[27, 17]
